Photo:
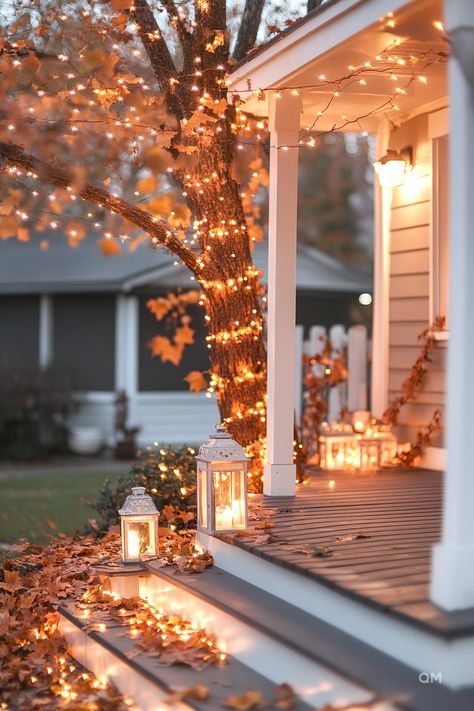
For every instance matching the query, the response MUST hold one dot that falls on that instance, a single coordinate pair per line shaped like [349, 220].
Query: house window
[84, 340]
[439, 293]
[19, 328]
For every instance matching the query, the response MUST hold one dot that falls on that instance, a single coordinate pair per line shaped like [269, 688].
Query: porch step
[324, 664]
[140, 677]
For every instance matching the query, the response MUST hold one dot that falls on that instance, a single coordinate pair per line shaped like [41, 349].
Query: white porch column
[284, 119]
[452, 585]
[45, 331]
[380, 322]
[126, 344]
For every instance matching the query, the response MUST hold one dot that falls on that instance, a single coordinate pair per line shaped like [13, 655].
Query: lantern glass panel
[369, 456]
[139, 537]
[229, 493]
[202, 497]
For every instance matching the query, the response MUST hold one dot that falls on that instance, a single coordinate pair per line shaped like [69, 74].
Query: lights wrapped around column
[139, 526]
[222, 499]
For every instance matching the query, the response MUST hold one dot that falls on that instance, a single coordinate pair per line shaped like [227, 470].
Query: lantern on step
[222, 500]
[139, 526]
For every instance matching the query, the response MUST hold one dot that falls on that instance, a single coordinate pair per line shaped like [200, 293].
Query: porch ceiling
[373, 92]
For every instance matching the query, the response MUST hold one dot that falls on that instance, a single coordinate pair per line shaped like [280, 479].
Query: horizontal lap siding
[409, 290]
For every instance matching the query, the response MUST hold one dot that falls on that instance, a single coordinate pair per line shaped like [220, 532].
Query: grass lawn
[36, 506]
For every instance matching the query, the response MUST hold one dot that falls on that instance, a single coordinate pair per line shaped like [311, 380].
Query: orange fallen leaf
[249, 700]
[285, 697]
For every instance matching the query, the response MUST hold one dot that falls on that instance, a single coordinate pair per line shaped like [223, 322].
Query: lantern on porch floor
[369, 455]
[139, 526]
[221, 484]
[388, 443]
[338, 447]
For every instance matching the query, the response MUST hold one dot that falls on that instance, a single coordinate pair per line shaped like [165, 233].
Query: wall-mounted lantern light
[221, 484]
[139, 526]
[392, 168]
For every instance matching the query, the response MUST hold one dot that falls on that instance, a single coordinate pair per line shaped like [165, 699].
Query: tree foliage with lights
[112, 110]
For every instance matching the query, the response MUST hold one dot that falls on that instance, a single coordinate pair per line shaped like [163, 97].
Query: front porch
[367, 535]
[354, 551]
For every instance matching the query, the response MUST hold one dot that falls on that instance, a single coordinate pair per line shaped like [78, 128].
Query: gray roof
[27, 269]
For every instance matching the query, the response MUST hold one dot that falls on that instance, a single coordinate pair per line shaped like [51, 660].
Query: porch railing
[352, 395]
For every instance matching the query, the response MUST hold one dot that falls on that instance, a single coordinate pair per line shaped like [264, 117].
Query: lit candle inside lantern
[133, 544]
[224, 517]
[236, 512]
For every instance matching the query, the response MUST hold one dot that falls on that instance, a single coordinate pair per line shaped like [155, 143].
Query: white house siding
[410, 283]
[167, 418]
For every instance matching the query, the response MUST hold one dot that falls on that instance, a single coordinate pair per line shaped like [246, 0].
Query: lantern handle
[222, 427]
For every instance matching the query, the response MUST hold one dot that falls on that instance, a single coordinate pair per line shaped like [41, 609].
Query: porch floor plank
[397, 515]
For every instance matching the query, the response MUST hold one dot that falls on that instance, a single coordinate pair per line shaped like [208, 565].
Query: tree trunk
[231, 288]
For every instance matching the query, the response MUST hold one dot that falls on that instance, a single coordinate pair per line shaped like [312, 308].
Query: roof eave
[332, 24]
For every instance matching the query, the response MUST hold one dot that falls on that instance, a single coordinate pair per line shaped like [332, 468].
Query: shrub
[168, 476]
[33, 414]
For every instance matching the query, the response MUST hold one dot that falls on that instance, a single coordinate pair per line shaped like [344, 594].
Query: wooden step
[109, 654]
[324, 664]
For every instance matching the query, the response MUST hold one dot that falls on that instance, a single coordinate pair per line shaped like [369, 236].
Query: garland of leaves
[410, 387]
[318, 382]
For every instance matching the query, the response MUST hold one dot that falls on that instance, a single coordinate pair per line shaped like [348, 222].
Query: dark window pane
[155, 375]
[19, 332]
[84, 340]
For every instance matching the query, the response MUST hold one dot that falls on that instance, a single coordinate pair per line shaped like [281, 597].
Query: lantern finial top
[220, 446]
[138, 502]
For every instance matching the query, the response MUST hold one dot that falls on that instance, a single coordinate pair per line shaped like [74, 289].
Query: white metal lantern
[139, 526]
[369, 454]
[222, 484]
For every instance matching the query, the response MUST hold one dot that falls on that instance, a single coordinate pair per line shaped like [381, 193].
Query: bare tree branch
[154, 43]
[160, 232]
[248, 27]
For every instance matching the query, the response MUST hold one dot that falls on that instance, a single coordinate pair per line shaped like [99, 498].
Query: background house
[85, 314]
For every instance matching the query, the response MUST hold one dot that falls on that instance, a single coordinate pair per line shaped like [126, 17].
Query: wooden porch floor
[367, 535]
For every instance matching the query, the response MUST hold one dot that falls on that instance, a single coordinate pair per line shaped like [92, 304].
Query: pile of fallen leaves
[35, 671]
[35, 668]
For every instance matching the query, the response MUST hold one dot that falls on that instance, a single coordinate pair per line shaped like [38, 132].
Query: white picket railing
[351, 395]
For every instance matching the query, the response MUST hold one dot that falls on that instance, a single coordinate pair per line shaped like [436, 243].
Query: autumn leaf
[285, 697]
[196, 380]
[246, 702]
[180, 216]
[321, 552]
[148, 184]
[217, 41]
[162, 347]
[109, 247]
[23, 234]
[184, 335]
[159, 307]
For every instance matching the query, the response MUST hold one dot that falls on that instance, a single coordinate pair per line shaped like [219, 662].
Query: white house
[344, 600]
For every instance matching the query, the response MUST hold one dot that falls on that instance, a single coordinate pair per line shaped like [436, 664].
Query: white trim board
[434, 458]
[403, 641]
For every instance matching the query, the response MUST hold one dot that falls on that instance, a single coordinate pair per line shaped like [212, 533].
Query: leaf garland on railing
[410, 387]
